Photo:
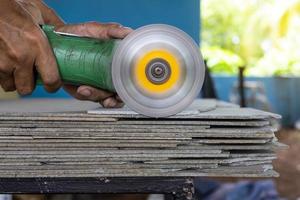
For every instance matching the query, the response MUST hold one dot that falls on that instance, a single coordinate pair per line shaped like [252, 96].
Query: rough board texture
[210, 138]
[197, 110]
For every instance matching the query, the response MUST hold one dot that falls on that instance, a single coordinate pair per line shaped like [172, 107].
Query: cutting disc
[158, 70]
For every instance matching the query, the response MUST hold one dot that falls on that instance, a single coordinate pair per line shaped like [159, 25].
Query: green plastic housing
[82, 60]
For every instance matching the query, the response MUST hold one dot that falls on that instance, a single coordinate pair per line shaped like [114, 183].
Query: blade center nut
[158, 71]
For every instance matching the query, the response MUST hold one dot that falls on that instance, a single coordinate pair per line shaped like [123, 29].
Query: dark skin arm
[24, 49]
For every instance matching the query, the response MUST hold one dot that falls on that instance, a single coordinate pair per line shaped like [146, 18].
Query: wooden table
[173, 188]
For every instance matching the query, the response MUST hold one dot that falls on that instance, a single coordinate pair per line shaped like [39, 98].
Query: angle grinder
[157, 70]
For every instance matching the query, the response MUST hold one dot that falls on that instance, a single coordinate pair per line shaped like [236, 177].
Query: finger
[3, 75]
[92, 94]
[111, 102]
[85, 93]
[49, 15]
[6, 71]
[89, 29]
[8, 84]
[71, 89]
[120, 105]
[118, 32]
[119, 99]
[97, 30]
[46, 64]
[6, 64]
[33, 10]
[24, 80]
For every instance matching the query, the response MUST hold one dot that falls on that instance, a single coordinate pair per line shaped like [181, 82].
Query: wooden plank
[229, 171]
[158, 185]
[218, 113]
[118, 156]
[196, 123]
[110, 167]
[110, 152]
[232, 141]
[148, 129]
[88, 145]
[130, 135]
[269, 146]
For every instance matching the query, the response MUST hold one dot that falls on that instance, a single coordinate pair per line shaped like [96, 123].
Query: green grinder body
[82, 60]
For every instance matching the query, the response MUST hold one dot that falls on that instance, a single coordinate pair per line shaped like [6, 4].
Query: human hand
[100, 31]
[24, 48]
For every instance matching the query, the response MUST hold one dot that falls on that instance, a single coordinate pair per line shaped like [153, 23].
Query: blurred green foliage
[263, 35]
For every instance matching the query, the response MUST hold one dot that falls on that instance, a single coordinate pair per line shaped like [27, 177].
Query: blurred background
[251, 48]
[263, 37]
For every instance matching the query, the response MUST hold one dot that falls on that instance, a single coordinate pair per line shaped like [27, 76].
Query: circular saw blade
[172, 51]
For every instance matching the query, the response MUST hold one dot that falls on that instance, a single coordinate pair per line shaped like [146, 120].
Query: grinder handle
[82, 60]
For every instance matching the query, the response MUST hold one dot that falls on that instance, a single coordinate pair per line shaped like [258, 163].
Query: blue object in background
[281, 93]
[184, 14]
[247, 190]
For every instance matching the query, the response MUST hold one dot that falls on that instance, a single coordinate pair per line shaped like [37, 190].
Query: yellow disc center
[141, 71]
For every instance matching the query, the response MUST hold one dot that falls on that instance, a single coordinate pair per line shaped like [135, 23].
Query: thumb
[89, 93]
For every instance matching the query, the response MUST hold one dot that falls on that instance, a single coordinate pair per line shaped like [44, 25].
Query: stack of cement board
[210, 138]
